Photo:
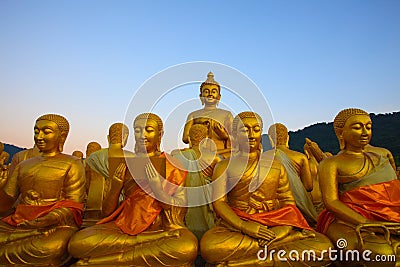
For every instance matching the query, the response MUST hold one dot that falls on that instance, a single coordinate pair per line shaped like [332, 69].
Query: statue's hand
[155, 180]
[206, 168]
[220, 130]
[4, 173]
[257, 230]
[47, 220]
[119, 174]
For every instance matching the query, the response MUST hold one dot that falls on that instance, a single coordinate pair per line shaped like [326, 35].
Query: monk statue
[361, 192]
[217, 120]
[90, 148]
[199, 161]
[297, 168]
[146, 229]
[98, 168]
[50, 190]
[259, 211]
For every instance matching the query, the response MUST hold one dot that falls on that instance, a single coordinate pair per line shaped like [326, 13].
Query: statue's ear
[201, 99]
[108, 139]
[124, 139]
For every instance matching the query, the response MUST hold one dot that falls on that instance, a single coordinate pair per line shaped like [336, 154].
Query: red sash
[288, 215]
[378, 202]
[139, 210]
[25, 212]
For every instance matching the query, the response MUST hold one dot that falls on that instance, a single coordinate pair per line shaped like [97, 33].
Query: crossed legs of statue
[107, 245]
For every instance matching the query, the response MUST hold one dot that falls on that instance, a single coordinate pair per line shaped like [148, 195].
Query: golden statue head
[148, 129]
[340, 121]
[197, 133]
[92, 147]
[210, 91]
[278, 134]
[251, 135]
[118, 134]
[62, 126]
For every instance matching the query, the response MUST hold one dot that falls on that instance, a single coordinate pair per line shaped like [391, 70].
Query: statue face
[147, 135]
[210, 94]
[357, 131]
[249, 135]
[47, 136]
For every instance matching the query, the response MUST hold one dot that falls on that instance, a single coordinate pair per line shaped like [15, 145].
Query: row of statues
[223, 199]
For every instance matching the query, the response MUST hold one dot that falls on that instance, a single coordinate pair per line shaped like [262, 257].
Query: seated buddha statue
[147, 228]
[217, 120]
[50, 191]
[98, 167]
[298, 169]
[199, 161]
[256, 207]
[361, 192]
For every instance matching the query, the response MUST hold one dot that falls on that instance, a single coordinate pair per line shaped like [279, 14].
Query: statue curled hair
[116, 132]
[278, 133]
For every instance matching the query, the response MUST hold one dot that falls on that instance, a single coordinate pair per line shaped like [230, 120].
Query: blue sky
[87, 59]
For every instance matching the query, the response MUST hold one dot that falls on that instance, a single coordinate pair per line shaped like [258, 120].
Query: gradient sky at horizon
[87, 59]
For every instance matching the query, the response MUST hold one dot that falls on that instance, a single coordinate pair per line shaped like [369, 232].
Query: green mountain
[385, 133]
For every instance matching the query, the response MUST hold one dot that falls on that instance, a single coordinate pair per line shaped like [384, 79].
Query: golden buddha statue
[50, 190]
[217, 120]
[98, 170]
[145, 229]
[199, 161]
[297, 168]
[361, 192]
[259, 210]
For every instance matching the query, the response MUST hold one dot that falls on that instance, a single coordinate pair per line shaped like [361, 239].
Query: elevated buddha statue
[217, 120]
[147, 228]
[297, 168]
[50, 191]
[361, 192]
[199, 161]
[256, 208]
